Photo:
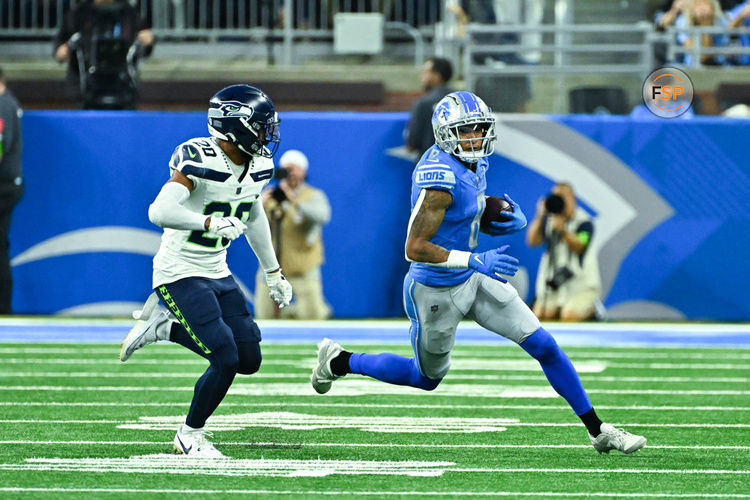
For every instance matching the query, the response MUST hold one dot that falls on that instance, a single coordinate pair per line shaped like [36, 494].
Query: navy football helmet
[246, 117]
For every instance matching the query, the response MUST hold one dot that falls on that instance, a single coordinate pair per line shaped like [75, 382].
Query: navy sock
[558, 369]
[392, 369]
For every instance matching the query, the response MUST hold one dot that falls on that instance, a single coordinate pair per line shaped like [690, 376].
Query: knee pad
[225, 359]
[249, 357]
[541, 346]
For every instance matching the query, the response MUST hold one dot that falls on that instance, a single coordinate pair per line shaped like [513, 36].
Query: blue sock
[558, 369]
[392, 369]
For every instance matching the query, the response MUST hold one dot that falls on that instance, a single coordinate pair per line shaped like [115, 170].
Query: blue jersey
[460, 227]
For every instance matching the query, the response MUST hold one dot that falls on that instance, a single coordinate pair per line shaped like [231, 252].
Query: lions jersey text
[220, 188]
[460, 227]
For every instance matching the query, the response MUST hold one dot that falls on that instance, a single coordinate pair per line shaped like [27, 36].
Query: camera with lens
[559, 277]
[554, 204]
[278, 194]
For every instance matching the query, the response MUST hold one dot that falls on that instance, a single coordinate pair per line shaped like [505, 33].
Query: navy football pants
[216, 324]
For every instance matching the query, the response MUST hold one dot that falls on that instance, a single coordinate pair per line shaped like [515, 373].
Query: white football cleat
[616, 439]
[322, 375]
[152, 324]
[193, 443]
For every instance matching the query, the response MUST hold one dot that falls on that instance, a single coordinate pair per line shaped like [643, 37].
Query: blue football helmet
[462, 112]
[246, 117]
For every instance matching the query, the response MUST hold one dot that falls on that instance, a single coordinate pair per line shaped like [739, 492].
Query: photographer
[103, 32]
[568, 285]
[297, 213]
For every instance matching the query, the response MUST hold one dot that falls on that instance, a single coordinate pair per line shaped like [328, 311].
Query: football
[493, 211]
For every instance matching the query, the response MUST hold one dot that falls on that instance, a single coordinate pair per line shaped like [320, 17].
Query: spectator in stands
[11, 183]
[739, 17]
[568, 285]
[92, 20]
[695, 13]
[436, 73]
[297, 213]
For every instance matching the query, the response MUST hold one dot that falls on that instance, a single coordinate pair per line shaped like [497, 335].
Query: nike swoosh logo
[477, 259]
[190, 152]
[182, 445]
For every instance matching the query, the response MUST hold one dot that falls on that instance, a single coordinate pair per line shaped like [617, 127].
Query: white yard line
[352, 493]
[228, 404]
[305, 376]
[466, 363]
[365, 445]
[483, 394]
[504, 423]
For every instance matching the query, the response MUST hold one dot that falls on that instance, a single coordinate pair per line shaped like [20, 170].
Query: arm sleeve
[435, 176]
[258, 234]
[317, 209]
[167, 211]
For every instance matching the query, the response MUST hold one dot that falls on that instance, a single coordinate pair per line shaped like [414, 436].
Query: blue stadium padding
[91, 169]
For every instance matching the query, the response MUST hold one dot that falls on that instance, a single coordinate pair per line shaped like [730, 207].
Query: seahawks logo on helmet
[235, 108]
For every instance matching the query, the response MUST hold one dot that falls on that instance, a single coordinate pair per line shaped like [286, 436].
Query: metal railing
[188, 18]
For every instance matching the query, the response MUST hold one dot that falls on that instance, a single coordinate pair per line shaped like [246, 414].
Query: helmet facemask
[448, 138]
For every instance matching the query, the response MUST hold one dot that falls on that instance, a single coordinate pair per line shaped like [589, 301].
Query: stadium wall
[670, 197]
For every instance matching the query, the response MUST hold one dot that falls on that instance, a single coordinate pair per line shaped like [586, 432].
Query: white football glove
[226, 227]
[279, 288]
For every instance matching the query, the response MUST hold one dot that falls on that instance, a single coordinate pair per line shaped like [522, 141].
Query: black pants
[10, 194]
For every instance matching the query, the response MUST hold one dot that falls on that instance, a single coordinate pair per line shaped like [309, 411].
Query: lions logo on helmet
[461, 113]
[246, 117]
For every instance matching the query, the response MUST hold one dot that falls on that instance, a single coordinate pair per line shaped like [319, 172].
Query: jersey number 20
[223, 209]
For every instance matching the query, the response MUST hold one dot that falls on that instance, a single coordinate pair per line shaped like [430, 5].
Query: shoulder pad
[435, 176]
[188, 159]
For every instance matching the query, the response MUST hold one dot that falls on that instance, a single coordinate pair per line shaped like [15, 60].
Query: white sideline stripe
[371, 445]
[497, 364]
[576, 494]
[504, 423]
[460, 352]
[226, 404]
[509, 387]
[305, 376]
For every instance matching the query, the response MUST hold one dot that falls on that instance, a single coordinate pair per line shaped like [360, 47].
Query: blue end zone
[397, 332]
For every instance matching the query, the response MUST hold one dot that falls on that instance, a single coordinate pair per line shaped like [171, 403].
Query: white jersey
[219, 190]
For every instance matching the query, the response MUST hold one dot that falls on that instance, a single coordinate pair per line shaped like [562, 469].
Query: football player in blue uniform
[211, 199]
[448, 281]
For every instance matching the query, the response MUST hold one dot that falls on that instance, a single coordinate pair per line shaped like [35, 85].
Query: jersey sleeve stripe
[204, 173]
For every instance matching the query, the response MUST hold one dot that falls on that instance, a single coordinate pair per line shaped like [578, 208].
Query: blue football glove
[516, 222]
[493, 263]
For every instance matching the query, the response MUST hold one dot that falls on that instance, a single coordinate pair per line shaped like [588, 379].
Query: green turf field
[78, 423]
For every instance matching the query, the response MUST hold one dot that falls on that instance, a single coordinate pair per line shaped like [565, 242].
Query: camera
[559, 277]
[278, 194]
[280, 173]
[555, 204]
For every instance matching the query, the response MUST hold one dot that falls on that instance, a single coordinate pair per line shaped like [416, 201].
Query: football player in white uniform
[212, 198]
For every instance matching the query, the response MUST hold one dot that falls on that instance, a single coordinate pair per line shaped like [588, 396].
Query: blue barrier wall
[670, 199]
